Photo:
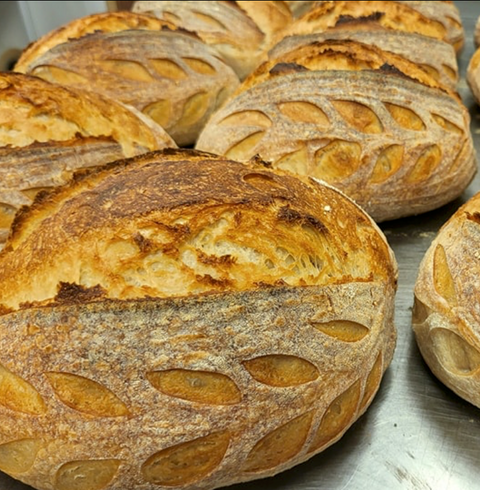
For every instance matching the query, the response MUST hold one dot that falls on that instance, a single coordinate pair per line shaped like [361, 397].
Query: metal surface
[417, 434]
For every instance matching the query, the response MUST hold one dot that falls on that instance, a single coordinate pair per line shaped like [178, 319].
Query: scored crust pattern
[109, 390]
[191, 460]
[170, 76]
[446, 313]
[239, 32]
[439, 20]
[376, 148]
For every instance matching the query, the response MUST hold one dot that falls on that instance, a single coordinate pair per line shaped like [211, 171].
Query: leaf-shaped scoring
[86, 475]
[197, 386]
[281, 370]
[186, 462]
[17, 457]
[85, 395]
[19, 395]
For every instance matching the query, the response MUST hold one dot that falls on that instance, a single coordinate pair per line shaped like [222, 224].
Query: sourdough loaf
[241, 32]
[439, 20]
[47, 132]
[370, 122]
[211, 322]
[169, 75]
[446, 313]
[436, 57]
[77, 28]
[444, 12]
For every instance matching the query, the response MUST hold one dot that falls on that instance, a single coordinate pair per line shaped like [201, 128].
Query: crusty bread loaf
[436, 57]
[77, 28]
[444, 12]
[169, 75]
[417, 17]
[47, 132]
[371, 123]
[446, 313]
[211, 322]
[241, 32]
[473, 75]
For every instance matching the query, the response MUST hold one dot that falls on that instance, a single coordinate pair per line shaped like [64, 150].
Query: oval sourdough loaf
[179, 320]
[47, 132]
[240, 32]
[169, 75]
[440, 20]
[77, 28]
[436, 57]
[368, 121]
[446, 313]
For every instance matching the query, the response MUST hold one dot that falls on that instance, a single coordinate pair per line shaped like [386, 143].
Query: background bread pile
[377, 119]
[398, 144]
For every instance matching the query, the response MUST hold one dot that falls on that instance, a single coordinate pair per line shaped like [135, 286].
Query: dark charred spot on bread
[211, 281]
[144, 244]
[69, 293]
[347, 19]
[258, 160]
[286, 68]
[475, 217]
[4, 310]
[224, 260]
[388, 68]
[290, 215]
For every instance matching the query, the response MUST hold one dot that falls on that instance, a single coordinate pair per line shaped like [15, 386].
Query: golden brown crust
[446, 314]
[342, 54]
[358, 130]
[436, 57]
[185, 205]
[394, 15]
[168, 75]
[77, 28]
[47, 132]
[240, 32]
[445, 13]
[262, 292]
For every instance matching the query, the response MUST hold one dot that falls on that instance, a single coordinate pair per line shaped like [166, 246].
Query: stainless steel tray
[417, 434]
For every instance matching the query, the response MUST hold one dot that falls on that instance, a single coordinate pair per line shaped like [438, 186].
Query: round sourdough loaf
[240, 32]
[180, 320]
[168, 74]
[446, 313]
[367, 121]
